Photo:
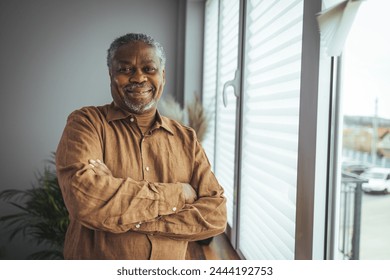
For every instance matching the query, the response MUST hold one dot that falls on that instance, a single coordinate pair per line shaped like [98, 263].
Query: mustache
[133, 86]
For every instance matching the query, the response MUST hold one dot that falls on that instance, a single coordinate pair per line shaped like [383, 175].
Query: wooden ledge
[218, 249]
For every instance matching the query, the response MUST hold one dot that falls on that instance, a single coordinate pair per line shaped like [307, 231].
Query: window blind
[335, 23]
[270, 129]
[226, 116]
[210, 74]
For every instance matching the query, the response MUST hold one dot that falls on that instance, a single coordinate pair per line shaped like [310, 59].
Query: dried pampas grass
[195, 116]
[170, 108]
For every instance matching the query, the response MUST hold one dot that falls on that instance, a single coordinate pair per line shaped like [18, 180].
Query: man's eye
[124, 70]
[149, 69]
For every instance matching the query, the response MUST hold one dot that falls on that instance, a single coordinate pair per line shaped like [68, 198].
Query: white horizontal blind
[270, 129]
[210, 74]
[226, 116]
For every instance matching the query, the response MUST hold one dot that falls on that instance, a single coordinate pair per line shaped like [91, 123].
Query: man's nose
[138, 76]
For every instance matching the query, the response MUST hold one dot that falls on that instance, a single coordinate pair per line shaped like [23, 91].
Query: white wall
[52, 62]
[193, 73]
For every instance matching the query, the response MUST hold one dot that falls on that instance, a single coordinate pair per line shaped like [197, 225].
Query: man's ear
[163, 73]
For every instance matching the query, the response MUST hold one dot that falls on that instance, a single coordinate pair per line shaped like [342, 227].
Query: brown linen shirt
[139, 212]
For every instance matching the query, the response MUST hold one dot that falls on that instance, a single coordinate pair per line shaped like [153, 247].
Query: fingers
[99, 167]
[96, 163]
[189, 193]
[92, 164]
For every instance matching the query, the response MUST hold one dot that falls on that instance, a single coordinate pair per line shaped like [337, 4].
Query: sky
[366, 60]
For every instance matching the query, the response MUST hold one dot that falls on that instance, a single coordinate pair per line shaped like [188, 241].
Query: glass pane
[366, 136]
[226, 116]
[270, 129]
[210, 75]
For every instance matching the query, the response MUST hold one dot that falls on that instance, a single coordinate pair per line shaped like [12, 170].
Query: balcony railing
[350, 215]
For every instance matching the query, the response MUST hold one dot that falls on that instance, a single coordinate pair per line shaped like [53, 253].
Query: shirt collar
[115, 113]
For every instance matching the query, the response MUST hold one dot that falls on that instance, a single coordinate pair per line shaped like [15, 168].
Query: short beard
[140, 108]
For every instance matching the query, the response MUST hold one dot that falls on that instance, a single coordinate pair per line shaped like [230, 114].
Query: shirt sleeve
[105, 202]
[205, 218]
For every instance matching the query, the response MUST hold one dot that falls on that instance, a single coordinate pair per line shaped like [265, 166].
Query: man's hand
[99, 167]
[189, 193]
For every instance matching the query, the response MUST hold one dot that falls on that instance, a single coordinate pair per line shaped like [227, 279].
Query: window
[226, 115]
[221, 58]
[277, 121]
[252, 89]
[210, 58]
[365, 65]
[270, 129]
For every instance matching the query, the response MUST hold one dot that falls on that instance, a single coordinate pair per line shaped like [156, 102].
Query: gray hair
[135, 37]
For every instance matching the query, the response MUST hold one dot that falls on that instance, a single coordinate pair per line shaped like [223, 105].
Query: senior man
[137, 185]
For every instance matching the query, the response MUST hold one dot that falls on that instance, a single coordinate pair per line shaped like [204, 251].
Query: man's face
[137, 79]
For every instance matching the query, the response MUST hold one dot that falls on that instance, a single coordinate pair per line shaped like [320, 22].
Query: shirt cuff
[171, 198]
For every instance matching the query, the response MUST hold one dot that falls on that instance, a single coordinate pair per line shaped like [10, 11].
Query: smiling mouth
[139, 91]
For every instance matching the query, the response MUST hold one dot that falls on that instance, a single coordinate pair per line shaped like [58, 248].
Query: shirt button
[147, 168]
[131, 119]
[174, 209]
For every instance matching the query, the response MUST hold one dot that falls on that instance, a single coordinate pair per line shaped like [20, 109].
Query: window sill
[218, 249]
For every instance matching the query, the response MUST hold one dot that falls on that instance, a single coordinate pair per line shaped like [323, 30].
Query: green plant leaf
[41, 213]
